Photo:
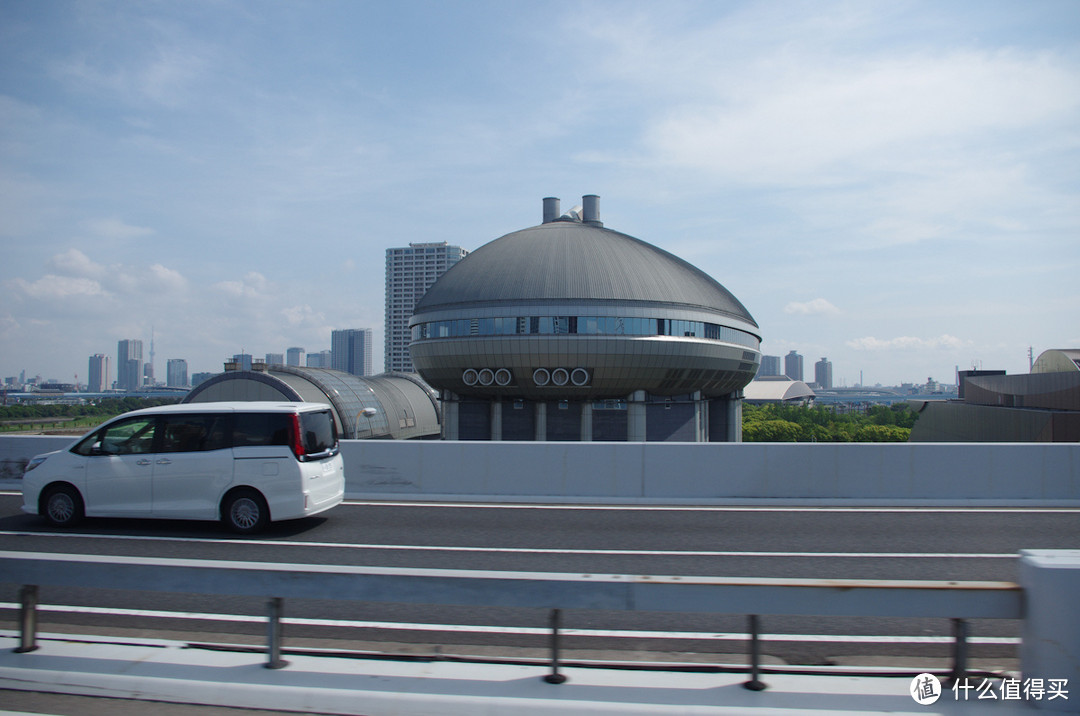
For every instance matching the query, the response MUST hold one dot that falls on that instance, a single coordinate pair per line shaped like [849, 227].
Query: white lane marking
[527, 550]
[494, 505]
[477, 629]
[707, 508]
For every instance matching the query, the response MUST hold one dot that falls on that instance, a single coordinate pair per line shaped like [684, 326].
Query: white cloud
[253, 285]
[166, 279]
[75, 263]
[302, 315]
[113, 228]
[906, 343]
[53, 287]
[812, 118]
[816, 307]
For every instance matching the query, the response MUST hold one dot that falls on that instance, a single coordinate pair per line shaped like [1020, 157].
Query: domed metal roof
[568, 260]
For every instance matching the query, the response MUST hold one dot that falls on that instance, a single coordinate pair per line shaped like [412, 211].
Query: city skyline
[893, 186]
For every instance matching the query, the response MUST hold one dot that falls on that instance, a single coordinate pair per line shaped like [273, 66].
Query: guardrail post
[28, 601]
[273, 634]
[555, 677]
[960, 635]
[754, 684]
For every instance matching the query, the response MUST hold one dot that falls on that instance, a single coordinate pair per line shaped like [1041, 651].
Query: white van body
[245, 463]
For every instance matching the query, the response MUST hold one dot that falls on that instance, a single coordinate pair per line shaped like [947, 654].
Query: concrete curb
[170, 671]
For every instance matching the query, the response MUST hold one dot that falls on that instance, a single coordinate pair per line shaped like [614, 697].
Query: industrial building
[1040, 406]
[571, 331]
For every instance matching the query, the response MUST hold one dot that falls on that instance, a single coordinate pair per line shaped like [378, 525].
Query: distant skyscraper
[319, 360]
[793, 366]
[275, 359]
[98, 381]
[243, 361]
[409, 274]
[176, 373]
[823, 373]
[350, 351]
[129, 364]
[770, 365]
[294, 356]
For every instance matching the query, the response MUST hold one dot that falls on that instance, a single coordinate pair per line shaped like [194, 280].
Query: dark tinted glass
[194, 433]
[261, 429]
[318, 432]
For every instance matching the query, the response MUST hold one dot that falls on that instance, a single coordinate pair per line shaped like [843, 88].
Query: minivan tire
[245, 512]
[62, 506]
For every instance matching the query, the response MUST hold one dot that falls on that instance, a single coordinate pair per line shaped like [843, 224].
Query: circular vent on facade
[560, 376]
[486, 376]
[503, 377]
[541, 376]
[579, 376]
[470, 376]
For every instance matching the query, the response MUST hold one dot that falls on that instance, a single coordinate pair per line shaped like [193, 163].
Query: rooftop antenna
[1031, 359]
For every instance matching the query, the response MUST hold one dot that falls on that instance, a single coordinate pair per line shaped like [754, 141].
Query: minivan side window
[261, 429]
[124, 437]
[194, 433]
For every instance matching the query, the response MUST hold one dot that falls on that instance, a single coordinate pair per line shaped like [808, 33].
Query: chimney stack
[590, 211]
[551, 209]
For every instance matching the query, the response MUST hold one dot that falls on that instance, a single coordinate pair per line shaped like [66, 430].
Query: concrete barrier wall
[688, 472]
[716, 471]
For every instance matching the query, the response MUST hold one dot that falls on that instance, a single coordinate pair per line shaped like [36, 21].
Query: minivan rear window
[318, 432]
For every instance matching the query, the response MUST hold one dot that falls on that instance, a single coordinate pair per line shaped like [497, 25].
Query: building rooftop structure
[778, 389]
[568, 313]
[391, 405]
[1040, 406]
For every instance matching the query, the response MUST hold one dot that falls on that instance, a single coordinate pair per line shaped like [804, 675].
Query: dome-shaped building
[568, 330]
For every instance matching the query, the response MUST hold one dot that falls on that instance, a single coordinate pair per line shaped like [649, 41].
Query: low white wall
[687, 472]
[715, 472]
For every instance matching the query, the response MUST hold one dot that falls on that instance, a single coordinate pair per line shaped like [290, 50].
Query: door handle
[164, 461]
[144, 461]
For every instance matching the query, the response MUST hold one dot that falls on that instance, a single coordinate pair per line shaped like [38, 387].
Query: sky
[892, 185]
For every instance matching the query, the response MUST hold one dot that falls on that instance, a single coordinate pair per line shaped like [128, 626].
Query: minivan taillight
[297, 441]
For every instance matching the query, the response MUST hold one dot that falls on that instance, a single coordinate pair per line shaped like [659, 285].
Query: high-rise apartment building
[275, 359]
[319, 360]
[350, 351]
[770, 365]
[409, 274]
[823, 373]
[294, 356]
[176, 373]
[98, 376]
[793, 366]
[129, 368]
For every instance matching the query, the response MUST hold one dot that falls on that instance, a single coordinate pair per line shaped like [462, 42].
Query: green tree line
[797, 423]
[15, 415]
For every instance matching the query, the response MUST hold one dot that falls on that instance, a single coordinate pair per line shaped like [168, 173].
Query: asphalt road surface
[811, 542]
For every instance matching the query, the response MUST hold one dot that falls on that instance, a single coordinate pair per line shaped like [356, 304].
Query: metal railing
[958, 601]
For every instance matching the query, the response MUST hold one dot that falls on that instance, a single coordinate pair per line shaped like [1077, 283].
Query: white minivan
[244, 463]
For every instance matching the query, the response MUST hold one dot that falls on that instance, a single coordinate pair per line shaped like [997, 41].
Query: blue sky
[894, 185]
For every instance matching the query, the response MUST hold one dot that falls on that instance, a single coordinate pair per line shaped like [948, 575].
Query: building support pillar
[449, 416]
[541, 421]
[496, 420]
[701, 418]
[586, 422]
[734, 417]
[636, 424]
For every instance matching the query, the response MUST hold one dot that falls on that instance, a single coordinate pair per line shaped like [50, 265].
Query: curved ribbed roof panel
[567, 260]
